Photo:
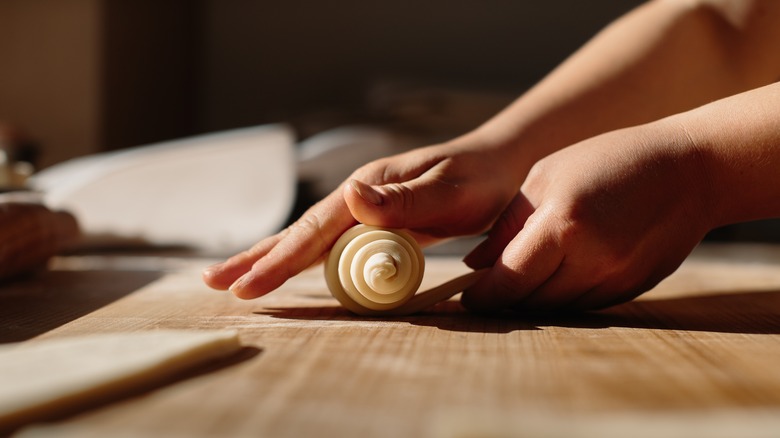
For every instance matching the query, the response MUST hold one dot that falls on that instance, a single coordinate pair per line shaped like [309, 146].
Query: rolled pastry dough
[46, 378]
[374, 271]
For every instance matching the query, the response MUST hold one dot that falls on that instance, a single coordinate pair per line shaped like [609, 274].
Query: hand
[595, 224]
[438, 191]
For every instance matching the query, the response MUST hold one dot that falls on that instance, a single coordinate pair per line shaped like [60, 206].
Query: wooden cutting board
[697, 356]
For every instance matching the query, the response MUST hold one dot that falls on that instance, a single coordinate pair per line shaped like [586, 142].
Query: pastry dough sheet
[46, 378]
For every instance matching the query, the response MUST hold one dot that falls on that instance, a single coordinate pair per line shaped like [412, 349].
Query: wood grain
[697, 356]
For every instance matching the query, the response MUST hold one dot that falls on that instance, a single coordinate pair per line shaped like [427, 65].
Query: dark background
[82, 76]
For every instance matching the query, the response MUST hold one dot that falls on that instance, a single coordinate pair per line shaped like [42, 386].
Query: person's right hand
[435, 192]
[597, 223]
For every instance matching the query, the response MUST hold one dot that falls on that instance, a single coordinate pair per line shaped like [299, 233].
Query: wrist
[692, 164]
[703, 176]
[507, 155]
[737, 141]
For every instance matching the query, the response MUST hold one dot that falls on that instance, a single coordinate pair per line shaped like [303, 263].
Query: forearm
[738, 139]
[663, 58]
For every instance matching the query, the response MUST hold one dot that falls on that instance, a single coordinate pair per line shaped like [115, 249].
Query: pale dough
[374, 271]
[41, 378]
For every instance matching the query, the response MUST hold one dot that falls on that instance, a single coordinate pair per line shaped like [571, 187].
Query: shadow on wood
[737, 312]
[34, 305]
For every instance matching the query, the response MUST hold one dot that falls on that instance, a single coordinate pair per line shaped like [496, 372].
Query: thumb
[418, 203]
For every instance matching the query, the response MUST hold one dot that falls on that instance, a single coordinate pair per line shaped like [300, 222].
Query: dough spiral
[374, 271]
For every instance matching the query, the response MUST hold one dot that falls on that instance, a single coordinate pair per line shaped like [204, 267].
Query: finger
[565, 286]
[528, 261]
[504, 230]
[221, 275]
[429, 193]
[304, 243]
[624, 288]
[421, 203]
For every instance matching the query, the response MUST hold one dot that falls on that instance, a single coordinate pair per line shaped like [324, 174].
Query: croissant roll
[373, 271]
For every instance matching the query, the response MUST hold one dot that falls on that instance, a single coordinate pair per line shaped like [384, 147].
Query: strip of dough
[374, 271]
[45, 378]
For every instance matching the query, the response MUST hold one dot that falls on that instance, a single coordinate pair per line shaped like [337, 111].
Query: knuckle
[310, 227]
[373, 172]
[306, 223]
[602, 257]
[401, 196]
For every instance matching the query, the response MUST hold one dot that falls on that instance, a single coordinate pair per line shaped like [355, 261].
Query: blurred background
[80, 76]
[85, 76]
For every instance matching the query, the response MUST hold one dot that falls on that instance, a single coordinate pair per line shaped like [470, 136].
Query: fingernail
[211, 270]
[368, 193]
[238, 284]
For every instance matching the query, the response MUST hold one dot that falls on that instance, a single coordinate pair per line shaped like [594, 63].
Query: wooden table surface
[697, 356]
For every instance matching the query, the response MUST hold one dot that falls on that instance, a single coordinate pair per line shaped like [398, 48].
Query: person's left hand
[435, 192]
